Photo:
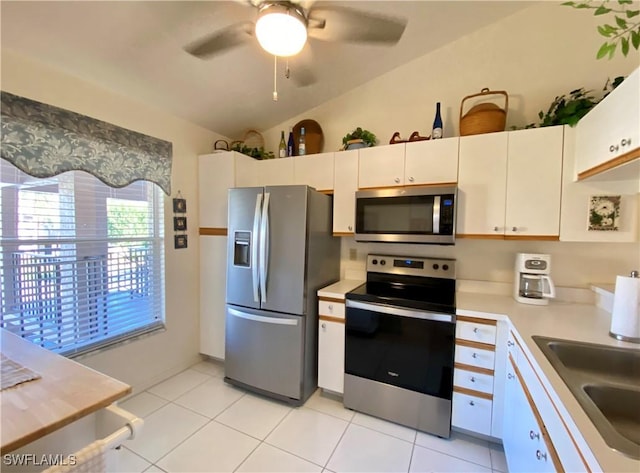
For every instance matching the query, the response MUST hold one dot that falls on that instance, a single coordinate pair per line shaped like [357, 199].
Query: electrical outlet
[353, 254]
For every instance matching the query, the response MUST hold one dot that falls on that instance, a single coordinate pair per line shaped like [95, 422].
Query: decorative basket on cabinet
[484, 117]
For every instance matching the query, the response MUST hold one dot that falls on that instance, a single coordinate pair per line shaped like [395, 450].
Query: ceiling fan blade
[221, 41]
[301, 68]
[357, 26]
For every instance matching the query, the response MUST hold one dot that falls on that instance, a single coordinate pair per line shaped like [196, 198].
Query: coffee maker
[532, 282]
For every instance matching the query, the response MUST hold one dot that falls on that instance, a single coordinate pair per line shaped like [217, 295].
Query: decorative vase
[355, 144]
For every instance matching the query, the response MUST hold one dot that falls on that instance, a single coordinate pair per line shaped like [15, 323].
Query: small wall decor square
[180, 241]
[180, 224]
[604, 212]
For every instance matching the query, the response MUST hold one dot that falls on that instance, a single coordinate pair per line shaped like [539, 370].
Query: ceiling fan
[282, 29]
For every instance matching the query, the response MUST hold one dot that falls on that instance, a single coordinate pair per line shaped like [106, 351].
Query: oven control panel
[412, 265]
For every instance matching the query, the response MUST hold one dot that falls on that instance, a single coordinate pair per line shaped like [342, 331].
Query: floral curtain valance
[43, 141]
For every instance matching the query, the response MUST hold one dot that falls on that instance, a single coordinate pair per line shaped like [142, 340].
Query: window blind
[82, 262]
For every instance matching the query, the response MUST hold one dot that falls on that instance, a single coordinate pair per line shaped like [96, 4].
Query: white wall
[146, 361]
[535, 55]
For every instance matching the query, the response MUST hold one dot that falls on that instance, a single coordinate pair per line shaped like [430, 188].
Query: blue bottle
[290, 143]
[436, 132]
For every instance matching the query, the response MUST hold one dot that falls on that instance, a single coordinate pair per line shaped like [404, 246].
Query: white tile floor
[194, 422]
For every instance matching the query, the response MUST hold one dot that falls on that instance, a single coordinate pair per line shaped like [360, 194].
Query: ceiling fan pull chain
[275, 78]
[287, 71]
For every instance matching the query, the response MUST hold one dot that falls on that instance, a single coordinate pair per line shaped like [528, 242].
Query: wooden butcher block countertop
[65, 392]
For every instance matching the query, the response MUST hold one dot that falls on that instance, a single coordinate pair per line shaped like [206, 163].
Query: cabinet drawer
[475, 357]
[330, 308]
[476, 332]
[471, 413]
[471, 380]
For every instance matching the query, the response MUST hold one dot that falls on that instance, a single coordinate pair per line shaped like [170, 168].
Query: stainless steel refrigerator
[280, 252]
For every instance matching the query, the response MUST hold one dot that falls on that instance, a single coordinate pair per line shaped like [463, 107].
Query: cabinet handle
[411, 177]
[475, 330]
[330, 307]
[510, 343]
[397, 180]
[514, 229]
[541, 456]
[496, 229]
[534, 435]
[350, 228]
[626, 142]
[474, 355]
[472, 379]
[510, 376]
[471, 403]
[613, 148]
[324, 325]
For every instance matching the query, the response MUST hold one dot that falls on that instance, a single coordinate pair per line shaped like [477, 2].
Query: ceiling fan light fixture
[281, 29]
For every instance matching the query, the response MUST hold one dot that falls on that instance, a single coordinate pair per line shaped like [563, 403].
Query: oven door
[402, 347]
[413, 215]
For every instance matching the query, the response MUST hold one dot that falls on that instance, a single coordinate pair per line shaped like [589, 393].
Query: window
[82, 263]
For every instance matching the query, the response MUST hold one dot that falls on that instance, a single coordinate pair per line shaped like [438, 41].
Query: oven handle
[415, 314]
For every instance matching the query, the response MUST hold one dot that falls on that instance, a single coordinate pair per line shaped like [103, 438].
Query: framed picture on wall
[179, 206]
[179, 224]
[180, 241]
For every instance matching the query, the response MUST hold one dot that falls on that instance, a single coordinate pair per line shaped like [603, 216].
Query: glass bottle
[302, 147]
[290, 143]
[282, 149]
[436, 131]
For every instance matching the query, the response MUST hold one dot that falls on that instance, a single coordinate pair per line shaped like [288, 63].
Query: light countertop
[580, 322]
[339, 289]
[65, 392]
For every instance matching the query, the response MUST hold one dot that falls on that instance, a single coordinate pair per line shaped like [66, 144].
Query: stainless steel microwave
[407, 215]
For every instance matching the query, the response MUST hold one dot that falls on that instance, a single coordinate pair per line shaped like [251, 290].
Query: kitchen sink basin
[606, 382]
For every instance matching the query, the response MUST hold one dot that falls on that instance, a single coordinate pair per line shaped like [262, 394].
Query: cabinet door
[331, 356]
[471, 413]
[381, 166]
[344, 192]
[431, 162]
[315, 170]
[534, 182]
[611, 129]
[275, 172]
[523, 438]
[213, 264]
[482, 185]
[215, 176]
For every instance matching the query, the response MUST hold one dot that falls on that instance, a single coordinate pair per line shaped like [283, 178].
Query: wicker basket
[484, 117]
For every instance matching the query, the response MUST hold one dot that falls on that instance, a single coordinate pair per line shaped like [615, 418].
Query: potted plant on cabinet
[358, 138]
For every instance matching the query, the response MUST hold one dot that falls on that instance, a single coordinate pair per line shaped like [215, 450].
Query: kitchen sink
[606, 382]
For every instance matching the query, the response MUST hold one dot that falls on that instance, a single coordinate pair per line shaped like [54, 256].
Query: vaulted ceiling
[137, 49]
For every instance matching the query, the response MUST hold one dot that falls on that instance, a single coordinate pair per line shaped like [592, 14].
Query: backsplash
[573, 265]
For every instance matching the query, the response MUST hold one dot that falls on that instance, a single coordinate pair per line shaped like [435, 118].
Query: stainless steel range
[399, 347]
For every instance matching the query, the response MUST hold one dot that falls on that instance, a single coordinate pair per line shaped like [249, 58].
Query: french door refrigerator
[280, 252]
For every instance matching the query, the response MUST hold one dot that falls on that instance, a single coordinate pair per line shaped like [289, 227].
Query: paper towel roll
[625, 317]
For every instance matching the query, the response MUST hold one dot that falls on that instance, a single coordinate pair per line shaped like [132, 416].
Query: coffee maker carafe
[532, 283]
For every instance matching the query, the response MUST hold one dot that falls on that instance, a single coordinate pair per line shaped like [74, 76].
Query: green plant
[568, 110]
[360, 134]
[257, 153]
[625, 31]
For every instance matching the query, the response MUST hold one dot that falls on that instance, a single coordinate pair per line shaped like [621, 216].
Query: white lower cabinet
[331, 318]
[471, 413]
[213, 267]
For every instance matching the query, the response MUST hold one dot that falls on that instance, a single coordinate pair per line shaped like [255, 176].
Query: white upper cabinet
[534, 182]
[608, 137]
[431, 162]
[274, 172]
[482, 185]
[381, 166]
[216, 174]
[576, 196]
[344, 193]
[315, 170]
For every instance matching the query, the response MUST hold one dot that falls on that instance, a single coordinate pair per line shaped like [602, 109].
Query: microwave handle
[436, 215]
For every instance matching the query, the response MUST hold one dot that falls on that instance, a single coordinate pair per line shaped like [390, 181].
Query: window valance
[43, 141]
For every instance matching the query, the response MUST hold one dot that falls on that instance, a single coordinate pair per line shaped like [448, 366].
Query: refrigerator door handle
[264, 245]
[254, 248]
[261, 318]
